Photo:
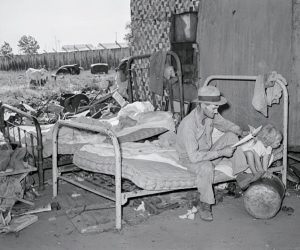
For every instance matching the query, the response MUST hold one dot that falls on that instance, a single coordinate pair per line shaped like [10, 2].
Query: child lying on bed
[259, 150]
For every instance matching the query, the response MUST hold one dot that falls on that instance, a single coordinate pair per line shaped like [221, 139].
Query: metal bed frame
[4, 128]
[282, 168]
[38, 160]
[119, 197]
[179, 75]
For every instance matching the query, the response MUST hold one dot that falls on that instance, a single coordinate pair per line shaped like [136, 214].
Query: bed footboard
[56, 174]
[119, 197]
[19, 137]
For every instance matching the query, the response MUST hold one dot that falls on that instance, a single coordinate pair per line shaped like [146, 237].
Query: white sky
[54, 23]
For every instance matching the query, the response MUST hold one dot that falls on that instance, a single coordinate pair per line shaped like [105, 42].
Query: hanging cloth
[157, 67]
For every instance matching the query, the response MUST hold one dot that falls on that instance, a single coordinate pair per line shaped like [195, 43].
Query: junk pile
[13, 172]
[87, 102]
[106, 104]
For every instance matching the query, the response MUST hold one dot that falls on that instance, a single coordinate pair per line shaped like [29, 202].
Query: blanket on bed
[69, 139]
[149, 151]
[147, 124]
[147, 165]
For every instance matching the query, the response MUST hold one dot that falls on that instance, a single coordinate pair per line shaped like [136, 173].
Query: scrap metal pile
[13, 173]
[13, 165]
[87, 102]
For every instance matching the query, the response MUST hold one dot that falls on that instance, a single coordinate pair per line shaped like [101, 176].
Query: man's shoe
[205, 211]
[244, 180]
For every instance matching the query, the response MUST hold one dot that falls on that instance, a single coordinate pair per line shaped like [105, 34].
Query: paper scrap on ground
[19, 223]
[141, 207]
[190, 214]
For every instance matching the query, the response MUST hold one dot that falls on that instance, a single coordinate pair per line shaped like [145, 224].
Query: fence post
[89, 56]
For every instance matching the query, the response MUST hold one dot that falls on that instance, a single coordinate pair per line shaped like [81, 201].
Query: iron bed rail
[120, 198]
[39, 146]
[179, 75]
[285, 111]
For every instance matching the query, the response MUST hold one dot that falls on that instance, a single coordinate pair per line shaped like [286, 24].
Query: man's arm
[225, 125]
[196, 155]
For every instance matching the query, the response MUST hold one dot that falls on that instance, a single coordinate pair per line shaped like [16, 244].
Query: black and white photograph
[149, 124]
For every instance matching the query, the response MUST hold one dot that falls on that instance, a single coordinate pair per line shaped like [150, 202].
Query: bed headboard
[138, 83]
[283, 114]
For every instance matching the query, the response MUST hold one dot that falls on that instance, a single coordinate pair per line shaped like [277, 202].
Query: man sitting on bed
[197, 150]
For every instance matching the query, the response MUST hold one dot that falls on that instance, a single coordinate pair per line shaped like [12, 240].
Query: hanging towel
[274, 93]
[267, 93]
[157, 66]
[259, 100]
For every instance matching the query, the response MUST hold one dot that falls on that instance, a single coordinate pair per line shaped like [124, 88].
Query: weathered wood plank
[55, 60]
[241, 37]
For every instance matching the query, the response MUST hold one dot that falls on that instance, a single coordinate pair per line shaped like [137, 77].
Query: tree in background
[6, 50]
[129, 35]
[28, 45]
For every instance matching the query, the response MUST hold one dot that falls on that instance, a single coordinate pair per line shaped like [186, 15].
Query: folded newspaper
[253, 132]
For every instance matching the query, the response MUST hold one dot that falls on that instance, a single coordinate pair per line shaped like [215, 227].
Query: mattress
[146, 174]
[69, 139]
[147, 124]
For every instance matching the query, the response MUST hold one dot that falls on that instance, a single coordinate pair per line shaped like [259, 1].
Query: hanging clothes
[267, 91]
[157, 67]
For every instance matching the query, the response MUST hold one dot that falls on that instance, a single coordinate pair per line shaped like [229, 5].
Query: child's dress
[258, 147]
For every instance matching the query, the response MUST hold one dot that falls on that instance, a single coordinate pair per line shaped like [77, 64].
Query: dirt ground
[233, 228]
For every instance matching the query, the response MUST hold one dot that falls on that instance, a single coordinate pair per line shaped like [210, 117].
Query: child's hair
[268, 134]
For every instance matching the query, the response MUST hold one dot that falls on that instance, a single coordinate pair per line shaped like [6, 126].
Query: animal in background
[36, 77]
[72, 69]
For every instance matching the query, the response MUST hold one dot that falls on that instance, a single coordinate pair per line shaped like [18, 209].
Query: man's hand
[268, 175]
[227, 151]
[238, 131]
[245, 133]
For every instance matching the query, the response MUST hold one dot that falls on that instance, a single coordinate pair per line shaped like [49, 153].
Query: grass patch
[14, 89]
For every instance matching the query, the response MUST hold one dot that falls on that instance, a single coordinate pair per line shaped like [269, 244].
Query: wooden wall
[243, 37]
[54, 60]
[294, 88]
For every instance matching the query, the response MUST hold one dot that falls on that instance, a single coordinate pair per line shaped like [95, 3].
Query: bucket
[264, 197]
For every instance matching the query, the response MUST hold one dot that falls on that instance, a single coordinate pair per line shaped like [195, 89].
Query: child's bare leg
[258, 163]
[251, 161]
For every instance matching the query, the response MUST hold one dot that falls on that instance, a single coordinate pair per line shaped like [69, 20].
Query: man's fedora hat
[210, 95]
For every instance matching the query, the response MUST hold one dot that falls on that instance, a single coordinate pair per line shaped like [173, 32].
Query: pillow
[141, 134]
[147, 124]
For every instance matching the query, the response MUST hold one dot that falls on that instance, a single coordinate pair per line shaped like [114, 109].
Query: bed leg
[41, 176]
[118, 200]
[54, 180]
[54, 160]
[118, 215]
[118, 183]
